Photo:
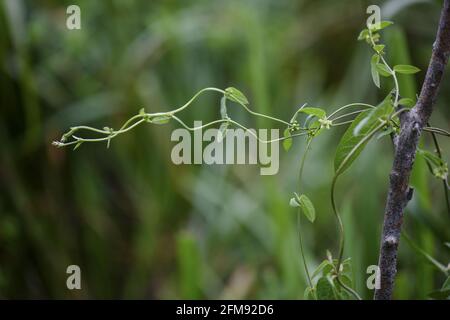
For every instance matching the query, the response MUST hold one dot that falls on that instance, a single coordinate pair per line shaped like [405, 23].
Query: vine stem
[349, 106]
[334, 206]
[302, 251]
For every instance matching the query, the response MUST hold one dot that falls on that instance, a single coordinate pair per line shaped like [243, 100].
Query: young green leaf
[431, 158]
[406, 69]
[383, 70]
[306, 207]
[235, 95]
[373, 69]
[287, 143]
[437, 166]
[380, 26]
[160, 119]
[317, 112]
[379, 48]
[363, 35]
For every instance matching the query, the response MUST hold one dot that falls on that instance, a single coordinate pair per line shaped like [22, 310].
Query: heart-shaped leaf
[306, 206]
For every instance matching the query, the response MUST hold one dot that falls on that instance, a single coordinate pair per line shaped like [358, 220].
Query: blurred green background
[140, 226]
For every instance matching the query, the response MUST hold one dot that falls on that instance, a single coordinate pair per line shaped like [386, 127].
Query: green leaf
[380, 26]
[346, 266]
[160, 119]
[431, 158]
[142, 112]
[363, 35]
[306, 206]
[406, 102]
[321, 266]
[375, 38]
[235, 95]
[317, 112]
[287, 143]
[356, 137]
[379, 48]
[437, 166]
[383, 70]
[406, 69]
[328, 269]
[373, 69]
[325, 289]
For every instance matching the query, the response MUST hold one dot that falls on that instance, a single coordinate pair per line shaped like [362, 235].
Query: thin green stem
[391, 71]
[302, 251]
[437, 131]
[348, 289]
[349, 114]
[341, 123]
[195, 97]
[429, 258]
[350, 106]
[333, 200]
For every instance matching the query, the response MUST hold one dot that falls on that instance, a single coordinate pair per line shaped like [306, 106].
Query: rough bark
[412, 123]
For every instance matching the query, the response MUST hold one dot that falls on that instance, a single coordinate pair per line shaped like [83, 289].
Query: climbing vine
[332, 279]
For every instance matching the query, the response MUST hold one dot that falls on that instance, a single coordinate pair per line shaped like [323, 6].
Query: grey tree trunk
[412, 123]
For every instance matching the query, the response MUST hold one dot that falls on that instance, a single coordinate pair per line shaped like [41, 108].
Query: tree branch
[412, 124]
